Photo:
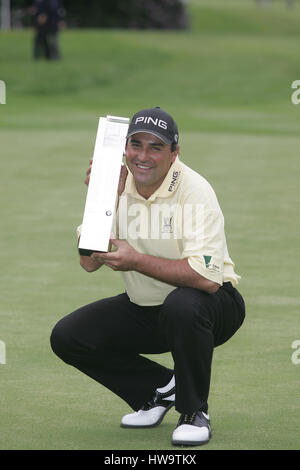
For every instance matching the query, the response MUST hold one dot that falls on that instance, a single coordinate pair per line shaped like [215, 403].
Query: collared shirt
[181, 219]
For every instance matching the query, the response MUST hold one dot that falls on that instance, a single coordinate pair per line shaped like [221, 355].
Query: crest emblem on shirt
[167, 225]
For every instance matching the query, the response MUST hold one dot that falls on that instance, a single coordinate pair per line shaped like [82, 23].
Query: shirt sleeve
[204, 239]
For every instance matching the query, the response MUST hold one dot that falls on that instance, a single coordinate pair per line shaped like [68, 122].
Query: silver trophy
[101, 198]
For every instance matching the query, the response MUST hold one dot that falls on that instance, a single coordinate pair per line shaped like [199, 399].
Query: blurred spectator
[48, 20]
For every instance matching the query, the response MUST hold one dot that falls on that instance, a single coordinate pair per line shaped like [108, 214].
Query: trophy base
[85, 252]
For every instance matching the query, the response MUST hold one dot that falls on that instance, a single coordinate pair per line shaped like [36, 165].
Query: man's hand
[125, 258]
[172, 271]
[122, 179]
[42, 19]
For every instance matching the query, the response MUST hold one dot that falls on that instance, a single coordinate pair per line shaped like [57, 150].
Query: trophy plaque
[101, 198]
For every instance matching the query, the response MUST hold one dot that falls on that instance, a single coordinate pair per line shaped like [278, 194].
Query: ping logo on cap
[150, 120]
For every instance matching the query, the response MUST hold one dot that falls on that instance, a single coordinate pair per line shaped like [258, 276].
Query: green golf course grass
[227, 81]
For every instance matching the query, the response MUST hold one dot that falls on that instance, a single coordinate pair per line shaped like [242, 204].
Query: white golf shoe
[153, 412]
[192, 430]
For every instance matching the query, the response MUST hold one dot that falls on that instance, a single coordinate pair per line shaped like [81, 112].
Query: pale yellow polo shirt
[182, 219]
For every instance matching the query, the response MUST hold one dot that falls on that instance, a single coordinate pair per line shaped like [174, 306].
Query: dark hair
[173, 146]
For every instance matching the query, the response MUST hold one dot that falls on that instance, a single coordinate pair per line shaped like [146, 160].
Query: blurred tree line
[134, 14]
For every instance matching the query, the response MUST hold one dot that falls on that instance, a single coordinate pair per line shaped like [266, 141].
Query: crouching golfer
[180, 293]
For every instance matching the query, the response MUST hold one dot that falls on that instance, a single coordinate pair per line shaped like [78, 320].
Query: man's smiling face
[149, 160]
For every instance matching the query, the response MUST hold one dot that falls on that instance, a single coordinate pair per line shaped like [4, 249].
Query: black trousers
[45, 45]
[105, 340]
